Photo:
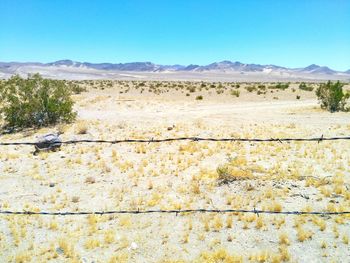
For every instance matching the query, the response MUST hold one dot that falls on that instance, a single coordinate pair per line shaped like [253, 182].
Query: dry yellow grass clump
[235, 169]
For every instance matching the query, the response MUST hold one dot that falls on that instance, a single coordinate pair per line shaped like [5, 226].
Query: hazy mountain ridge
[222, 66]
[217, 71]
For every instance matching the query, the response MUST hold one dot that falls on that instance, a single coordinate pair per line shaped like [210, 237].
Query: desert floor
[303, 176]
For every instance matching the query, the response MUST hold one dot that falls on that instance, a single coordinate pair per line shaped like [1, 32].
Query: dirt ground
[303, 176]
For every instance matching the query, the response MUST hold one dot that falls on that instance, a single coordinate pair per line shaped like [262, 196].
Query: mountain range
[73, 69]
[222, 66]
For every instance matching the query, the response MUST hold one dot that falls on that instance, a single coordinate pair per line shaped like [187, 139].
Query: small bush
[191, 89]
[303, 86]
[332, 97]
[200, 97]
[35, 102]
[235, 93]
[77, 89]
[250, 88]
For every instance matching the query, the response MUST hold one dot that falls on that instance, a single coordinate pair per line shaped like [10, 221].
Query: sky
[291, 33]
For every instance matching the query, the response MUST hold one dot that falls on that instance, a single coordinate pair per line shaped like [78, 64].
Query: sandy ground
[81, 73]
[272, 176]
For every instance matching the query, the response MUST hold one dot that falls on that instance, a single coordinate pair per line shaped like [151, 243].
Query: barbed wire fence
[177, 211]
[180, 211]
[194, 139]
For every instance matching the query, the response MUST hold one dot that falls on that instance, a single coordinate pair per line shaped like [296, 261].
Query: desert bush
[250, 88]
[235, 93]
[332, 97]
[35, 102]
[280, 86]
[77, 89]
[191, 89]
[200, 97]
[303, 86]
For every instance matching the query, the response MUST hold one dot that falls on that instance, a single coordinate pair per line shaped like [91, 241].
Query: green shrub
[250, 88]
[235, 93]
[200, 97]
[35, 102]
[280, 86]
[303, 86]
[331, 96]
[191, 89]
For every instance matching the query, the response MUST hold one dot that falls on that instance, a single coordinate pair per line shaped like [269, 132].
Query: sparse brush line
[173, 212]
[195, 139]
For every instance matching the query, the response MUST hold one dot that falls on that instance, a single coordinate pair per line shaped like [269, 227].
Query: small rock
[59, 250]
[52, 184]
[90, 180]
[133, 246]
[75, 199]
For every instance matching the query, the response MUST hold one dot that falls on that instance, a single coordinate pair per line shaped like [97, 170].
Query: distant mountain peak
[63, 62]
[313, 68]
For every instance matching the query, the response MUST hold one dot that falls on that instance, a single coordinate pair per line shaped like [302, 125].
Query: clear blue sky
[292, 33]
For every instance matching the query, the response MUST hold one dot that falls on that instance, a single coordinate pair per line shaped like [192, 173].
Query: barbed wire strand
[196, 139]
[176, 211]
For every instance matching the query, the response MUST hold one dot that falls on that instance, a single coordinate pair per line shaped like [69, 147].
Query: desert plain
[274, 176]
